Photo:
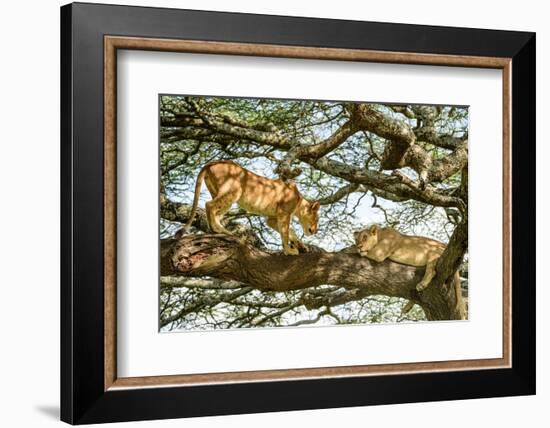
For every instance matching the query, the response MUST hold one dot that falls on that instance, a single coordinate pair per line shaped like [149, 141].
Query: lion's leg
[283, 225]
[272, 223]
[212, 215]
[380, 251]
[294, 241]
[216, 208]
[428, 274]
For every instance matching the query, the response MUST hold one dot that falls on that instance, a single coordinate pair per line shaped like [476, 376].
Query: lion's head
[308, 215]
[366, 239]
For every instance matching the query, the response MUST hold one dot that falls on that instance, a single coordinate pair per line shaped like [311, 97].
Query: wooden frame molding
[113, 43]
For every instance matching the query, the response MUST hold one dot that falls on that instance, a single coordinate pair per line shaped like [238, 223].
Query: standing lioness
[277, 200]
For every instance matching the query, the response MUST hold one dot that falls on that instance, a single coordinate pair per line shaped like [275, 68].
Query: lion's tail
[458, 294]
[198, 184]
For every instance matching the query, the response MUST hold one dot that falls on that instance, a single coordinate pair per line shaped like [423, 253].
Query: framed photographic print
[264, 213]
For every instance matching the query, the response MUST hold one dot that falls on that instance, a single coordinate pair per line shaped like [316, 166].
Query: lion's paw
[291, 251]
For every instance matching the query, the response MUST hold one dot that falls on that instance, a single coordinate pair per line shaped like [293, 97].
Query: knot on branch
[367, 117]
[201, 253]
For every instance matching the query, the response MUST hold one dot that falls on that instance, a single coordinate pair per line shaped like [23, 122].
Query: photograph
[268, 214]
[305, 213]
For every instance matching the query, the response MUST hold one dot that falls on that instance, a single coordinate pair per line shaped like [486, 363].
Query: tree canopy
[403, 166]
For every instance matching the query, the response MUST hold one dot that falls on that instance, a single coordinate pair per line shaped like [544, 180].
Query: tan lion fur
[379, 244]
[277, 200]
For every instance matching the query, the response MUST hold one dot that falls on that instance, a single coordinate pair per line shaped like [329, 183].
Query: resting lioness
[277, 200]
[379, 244]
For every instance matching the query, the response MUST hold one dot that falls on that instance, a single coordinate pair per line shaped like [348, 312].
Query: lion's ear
[374, 229]
[315, 206]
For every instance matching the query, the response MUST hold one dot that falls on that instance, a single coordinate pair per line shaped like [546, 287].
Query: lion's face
[309, 218]
[366, 239]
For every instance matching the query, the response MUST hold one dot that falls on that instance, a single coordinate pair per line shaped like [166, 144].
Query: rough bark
[231, 258]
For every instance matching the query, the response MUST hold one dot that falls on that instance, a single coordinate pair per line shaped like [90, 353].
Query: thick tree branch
[168, 282]
[368, 118]
[287, 168]
[449, 165]
[429, 134]
[331, 143]
[230, 258]
[385, 183]
[404, 110]
[448, 264]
